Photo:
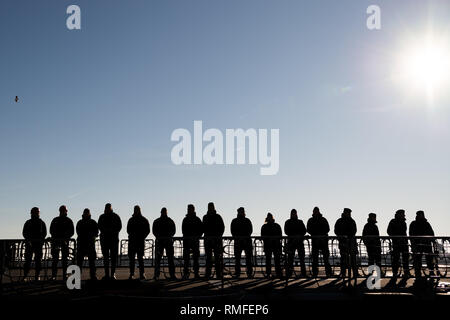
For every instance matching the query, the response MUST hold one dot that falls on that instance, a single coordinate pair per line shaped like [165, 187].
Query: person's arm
[233, 228]
[250, 227]
[119, 224]
[222, 226]
[327, 226]
[303, 228]
[25, 231]
[96, 229]
[173, 228]
[52, 228]
[155, 228]
[71, 229]
[129, 231]
[336, 228]
[44, 231]
[147, 229]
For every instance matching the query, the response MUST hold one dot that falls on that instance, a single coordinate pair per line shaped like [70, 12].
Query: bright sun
[424, 66]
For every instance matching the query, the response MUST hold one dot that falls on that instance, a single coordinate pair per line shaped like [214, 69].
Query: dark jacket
[61, 228]
[192, 226]
[213, 224]
[164, 227]
[397, 227]
[241, 227]
[318, 226]
[371, 230]
[420, 227]
[34, 229]
[138, 228]
[273, 231]
[87, 230]
[345, 227]
[294, 228]
[109, 225]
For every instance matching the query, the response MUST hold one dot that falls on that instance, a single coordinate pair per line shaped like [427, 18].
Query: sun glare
[424, 66]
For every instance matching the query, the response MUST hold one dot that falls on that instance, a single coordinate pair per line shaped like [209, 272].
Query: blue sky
[98, 106]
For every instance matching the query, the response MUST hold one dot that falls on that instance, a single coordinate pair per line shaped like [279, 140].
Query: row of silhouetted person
[211, 228]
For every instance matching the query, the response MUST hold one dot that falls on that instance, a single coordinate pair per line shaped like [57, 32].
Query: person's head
[86, 214]
[316, 211]
[211, 207]
[35, 213]
[190, 209]
[108, 208]
[347, 213]
[400, 215]
[294, 214]
[420, 215]
[164, 212]
[63, 211]
[372, 218]
[241, 212]
[269, 218]
[137, 211]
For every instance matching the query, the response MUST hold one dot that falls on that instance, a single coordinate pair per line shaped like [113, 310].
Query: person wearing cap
[345, 228]
[318, 228]
[271, 233]
[421, 227]
[371, 239]
[138, 228]
[214, 228]
[295, 229]
[241, 230]
[164, 229]
[61, 230]
[109, 224]
[87, 231]
[192, 228]
[34, 232]
[397, 230]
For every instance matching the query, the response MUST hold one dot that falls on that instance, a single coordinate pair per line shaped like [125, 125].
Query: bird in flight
[17, 99]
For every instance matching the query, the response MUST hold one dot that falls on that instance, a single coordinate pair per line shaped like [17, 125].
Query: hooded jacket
[87, 230]
[318, 225]
[241, 227]
[138, 227]
[34, 229]
[213, 224]
[294, 228]
[192, 226]
[109, 225]
[164, 227]
[61, 228]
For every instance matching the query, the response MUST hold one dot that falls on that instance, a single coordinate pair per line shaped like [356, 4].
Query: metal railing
[12, 255]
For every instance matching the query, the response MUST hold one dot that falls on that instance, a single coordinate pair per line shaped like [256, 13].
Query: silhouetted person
[318, 228]
[421, 227]
[109, 224]
[16, 99]
[192, 228]
[345, 229]
[214, 228]
[371, 239]
[164, 230]
[397, 227]
[295, 229]
[241, 230]
[138, 228]
[61, 230]
[87, 231]
[271, 233]
[34, 232]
